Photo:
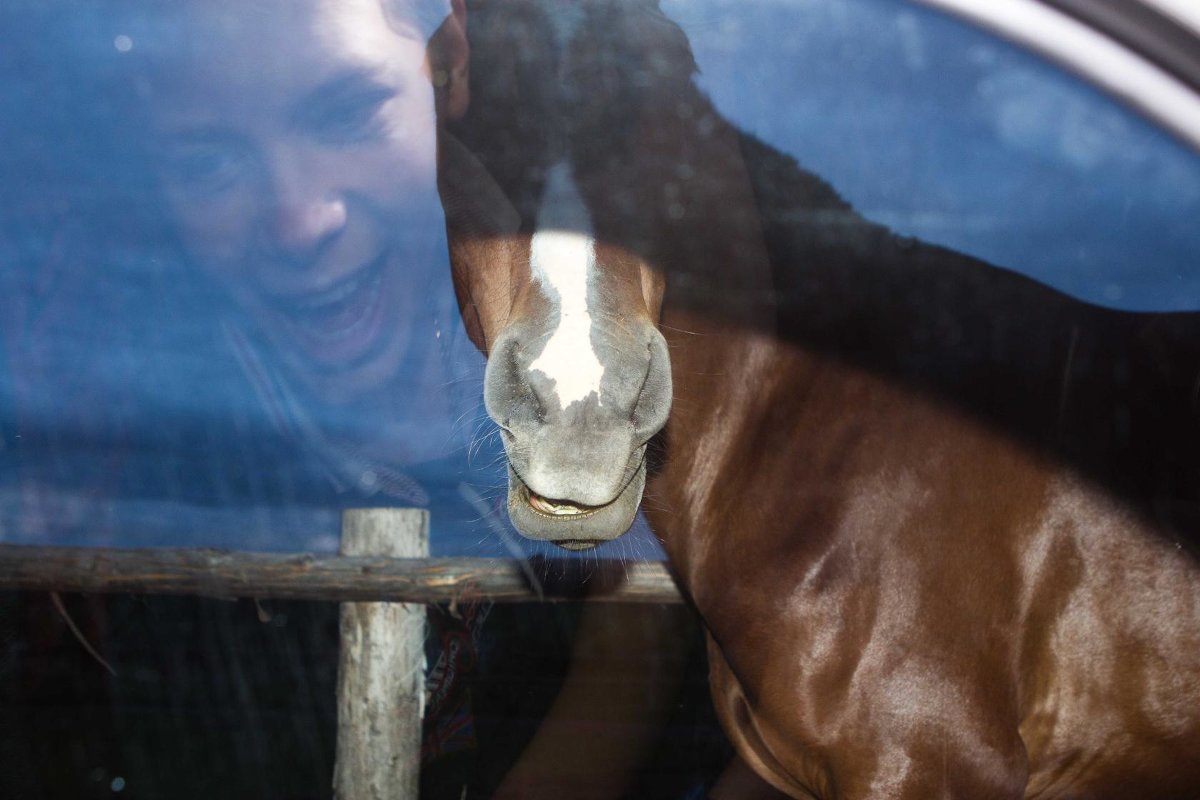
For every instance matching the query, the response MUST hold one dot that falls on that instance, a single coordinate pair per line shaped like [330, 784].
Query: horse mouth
[557, 508]
[572, 525]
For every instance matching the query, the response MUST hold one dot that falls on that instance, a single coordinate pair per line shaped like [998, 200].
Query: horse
[938, 519]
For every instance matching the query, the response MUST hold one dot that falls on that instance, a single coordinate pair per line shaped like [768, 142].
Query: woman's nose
[307, 209]
[302, 226]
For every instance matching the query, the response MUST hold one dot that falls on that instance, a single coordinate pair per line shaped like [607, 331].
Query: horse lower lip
[577, 544]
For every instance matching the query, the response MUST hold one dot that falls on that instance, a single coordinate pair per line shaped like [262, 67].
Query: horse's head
[561, 297]
[578, 377]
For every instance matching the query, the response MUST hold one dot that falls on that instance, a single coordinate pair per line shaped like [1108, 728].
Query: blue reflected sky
[948, 134]
[140, 406]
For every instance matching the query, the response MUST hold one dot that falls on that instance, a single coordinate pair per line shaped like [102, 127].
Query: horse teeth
[545, 506]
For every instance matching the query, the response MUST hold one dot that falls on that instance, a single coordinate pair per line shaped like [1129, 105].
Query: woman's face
[296, 146]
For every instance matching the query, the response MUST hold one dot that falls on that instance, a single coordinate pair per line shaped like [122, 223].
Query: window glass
[943, 132]
[153, 397]
[164, 386]
[227, 314]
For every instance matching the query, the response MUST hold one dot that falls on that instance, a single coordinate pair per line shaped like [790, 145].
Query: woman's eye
[202, 168]
[350, 119]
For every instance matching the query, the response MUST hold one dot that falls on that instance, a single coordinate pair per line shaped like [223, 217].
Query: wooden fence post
[381, 669]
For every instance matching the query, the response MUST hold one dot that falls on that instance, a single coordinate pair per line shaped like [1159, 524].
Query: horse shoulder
[1110, 656]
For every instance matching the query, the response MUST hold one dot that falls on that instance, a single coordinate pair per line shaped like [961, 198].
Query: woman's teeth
[334, 294]
[341, 311]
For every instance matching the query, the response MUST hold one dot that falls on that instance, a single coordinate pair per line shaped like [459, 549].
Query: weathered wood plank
[381, 668]
[225, 574]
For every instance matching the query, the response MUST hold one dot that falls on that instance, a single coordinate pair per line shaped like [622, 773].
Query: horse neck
[719, 315]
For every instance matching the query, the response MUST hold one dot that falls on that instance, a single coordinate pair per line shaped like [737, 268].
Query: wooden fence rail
[224, 574]
[381, 662]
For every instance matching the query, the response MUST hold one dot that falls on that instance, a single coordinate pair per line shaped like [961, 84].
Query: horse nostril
[514, 396]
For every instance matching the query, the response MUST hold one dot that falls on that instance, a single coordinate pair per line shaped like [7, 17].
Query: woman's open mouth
[339, 325]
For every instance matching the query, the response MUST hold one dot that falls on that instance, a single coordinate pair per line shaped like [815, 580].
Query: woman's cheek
[217, 238]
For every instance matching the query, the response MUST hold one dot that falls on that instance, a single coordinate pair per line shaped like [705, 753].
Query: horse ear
[449, 57]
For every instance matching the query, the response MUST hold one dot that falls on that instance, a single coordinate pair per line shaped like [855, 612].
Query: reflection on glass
[238, 318]
[226, 310]
[943, 132]
[227, 300]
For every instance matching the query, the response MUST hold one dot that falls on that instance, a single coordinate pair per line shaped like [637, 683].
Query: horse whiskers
[475, 446]
[665, 327]
[618, 321]
[466, 418]
[655, 502]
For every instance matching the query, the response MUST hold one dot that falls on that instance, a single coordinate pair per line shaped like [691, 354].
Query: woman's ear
[449, 56]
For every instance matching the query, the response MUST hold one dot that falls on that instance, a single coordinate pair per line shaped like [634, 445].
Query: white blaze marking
[563, 260]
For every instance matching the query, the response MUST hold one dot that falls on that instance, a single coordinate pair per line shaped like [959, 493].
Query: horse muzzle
[577, 473]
